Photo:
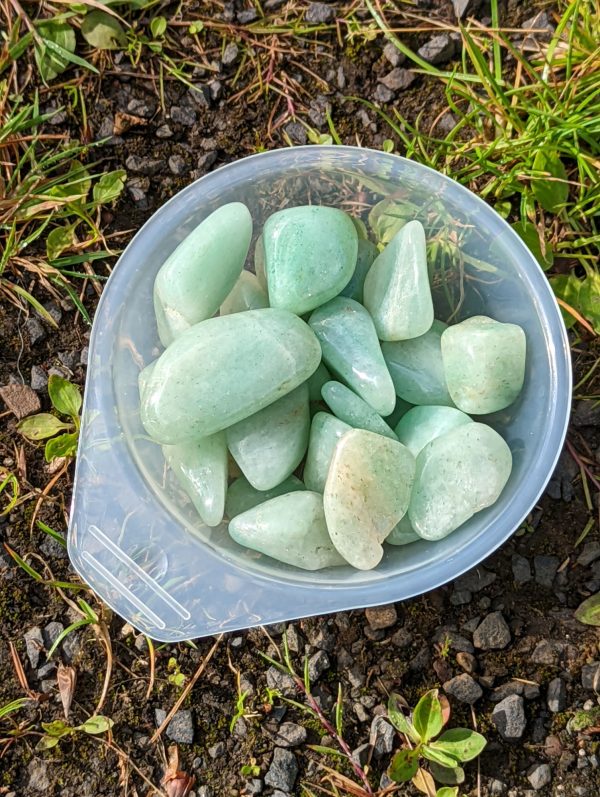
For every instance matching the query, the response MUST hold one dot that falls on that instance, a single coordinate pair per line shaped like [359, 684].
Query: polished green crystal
[351, 350]
[226, 369]
[316, 382]
[269, 445]
[201, 469]
[401, 408]
[241, 495]
[417, 369]
[291, 529]
[367, 252]
[259, 263]
[402, 533]
[246, 294]
[421, 425]
[200, 273]
[325, 431]
[458, 474]
[396, 289]
[366, 494]
[144, 377]
[351, 409]
[484, 363]
[310, 255]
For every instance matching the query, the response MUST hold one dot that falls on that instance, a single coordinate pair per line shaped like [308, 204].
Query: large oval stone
[246, 294]
[396, 289]
[351, 349]
[269, 445]
[421, 425]
[310, 255]
[367, 252]
[290, 528]
[366, 494]
[201, 469]
[199, 274]
[226, 369]
[417, 368]
[458, 474]
[351, 409]
[241, 495]
[484, 363]
[325, 431]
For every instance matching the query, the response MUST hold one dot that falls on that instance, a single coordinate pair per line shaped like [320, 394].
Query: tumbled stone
[402, 533]
[269, 445]
[484, 364]
[241, 495]
[200, 467]
[366, 494]
[325, 431]
[421, 425]
[310, 255]
[396, 289]
[246, 294]
[144, 377]
[259, 262]
[417, 368]
[290, 528]
[367, 252]
[457, 475]
[351, 350]
[316, 382]
[226, 369]
[351, 409]
[400, 410]
[200, 273]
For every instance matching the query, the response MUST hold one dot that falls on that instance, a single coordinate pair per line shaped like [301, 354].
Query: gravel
[521, 569]
[492, 633]
[464, 7]
[35, 330]
[475, 580]
[37, 770]
[21, 400]
[281, 681]
[539, 775]
[318, 13]
[294, 640]
[184, 116]
[380, 617]
[545, 569]
[181, 727]
[381, 737]
[467, 661]
[589, 554]
[586, 413]
[318, 663]
[398, 79]
[393, 55]
[289, 734]
[447, 635]
[556, 696]
[464, 688]
[509, 718]
[34, 645]
[177, 164]
[230, 54]
[590, 675]
[438, 49]
[383, 94]
[283, 771]
[51, 633]
[39, 378]
[504, 690]
[296, 132]
[164, 131]
[140, 165]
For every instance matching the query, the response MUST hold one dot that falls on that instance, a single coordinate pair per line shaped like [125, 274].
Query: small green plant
[9, 491]
[445, 751]
[175, 677]
[240, 709]
[66, 400]
[57, 730]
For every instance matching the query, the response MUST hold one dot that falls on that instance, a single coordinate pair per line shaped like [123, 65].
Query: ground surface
[534, 582]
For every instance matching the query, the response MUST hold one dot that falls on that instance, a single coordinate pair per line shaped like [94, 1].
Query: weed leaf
[64, 395]
[552, 190]
[109, 186]
[96, 724]
[42, 426]
[434, 753]
[450, 776]
[447, 791]
[404, 765]
[424, 782]
[65, 445]
[51, 63]
[59, 239]
[427, 716]
[529, 234]
[400, 721]
[588, 612]
[461, 743]
[103, 31]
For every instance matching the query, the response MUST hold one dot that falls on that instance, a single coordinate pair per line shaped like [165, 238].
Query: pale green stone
[259, 263]
[402, 533]
[269, 445]
[201, 469]
[241, 495]
[401, 408]
[484, 363]
[310, 254]
[458, 474]
[417, 368]
[200, 273]
[291, 529]
[226, 369]
[366, 494]
[144, 377]
[351, 409]
[325, 431]
[351, 350]
[421, 425]
[367, 252]
[247, 294]
[396, 289]
[316, 382]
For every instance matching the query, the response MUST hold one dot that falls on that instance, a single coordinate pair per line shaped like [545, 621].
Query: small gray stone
[539, 775]
[586, 413]
[461, 597]
[589, 554]
[318, 14]
[545, 652]
[177, 164]
[531, 691]
[381, 737]
[283, 771]
[205, 791]
[438, 49]
[143, 108]
[51, 633]
[255, 785]
[317, 665]
[296, 132]
[183, 116]
[464, 688]
[230, 54]
[46, 670]
[393, 55]
[181, 727]
[217, 750]
[247, 16]
[504, 690]
[164, 131]
[361, 754]
[496, 788]
[402, 638]
[590, 676]
[541, 21]
[448, 636]
[35, 330]
[216, 88]
[206, 161]
[545, 569]
[53, 311]
[289, 734]
[398, 79]
[509, 717]
[361, 712]
[464, 7]
[557, 695]
[380, 617]
[492, 633]
[294, 640]
[39, 378]
[141, 165]
[83, 355]
[476, 579]
[383, 94]
[281, 681]
[34, 645]
[37, 770]
[521, 569]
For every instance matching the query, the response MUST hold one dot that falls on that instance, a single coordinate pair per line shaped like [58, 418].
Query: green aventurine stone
[402, 533]
[226, 369]
[484, 362]
[367, 252]
[325, 431]
[351, 409]
[421, 425]
[351, 349]
[242, 496]
[201, 469]
[310, 255]
[396, 289]
[200, 273]
[144, 377]
[366, 494]
[269, 445]
[400, 410]
[247, 294]
[458, 474]
[316, 382]
[259, 262]
[417, 368]
[290, 528]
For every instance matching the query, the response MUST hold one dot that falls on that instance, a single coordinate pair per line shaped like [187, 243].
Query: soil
[424, 640]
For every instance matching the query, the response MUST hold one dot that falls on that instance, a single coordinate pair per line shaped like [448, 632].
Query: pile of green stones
[327, 319]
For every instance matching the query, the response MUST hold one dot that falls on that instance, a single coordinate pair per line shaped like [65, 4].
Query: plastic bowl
[133, 535]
